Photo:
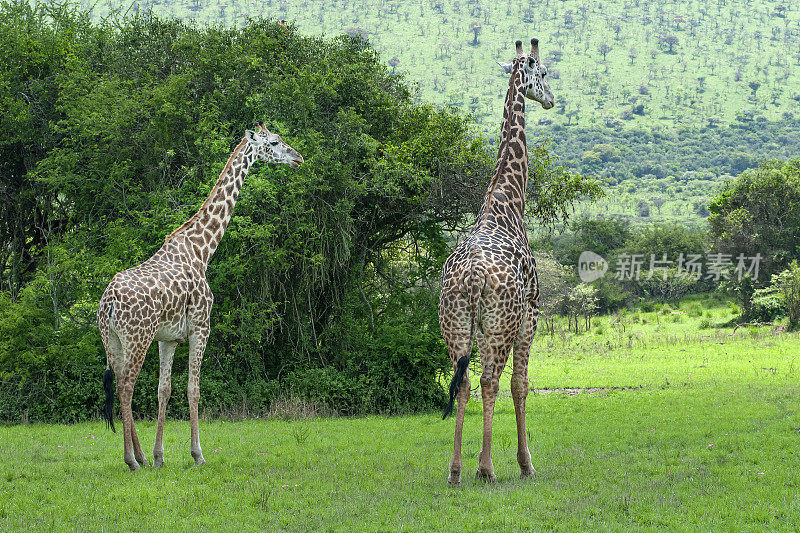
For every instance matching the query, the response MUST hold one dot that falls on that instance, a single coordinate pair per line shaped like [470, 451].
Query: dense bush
[780, 298]
[112, 134]
[759, 213]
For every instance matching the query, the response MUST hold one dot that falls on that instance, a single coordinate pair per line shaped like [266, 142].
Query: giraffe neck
[205, 229]
[504, 202]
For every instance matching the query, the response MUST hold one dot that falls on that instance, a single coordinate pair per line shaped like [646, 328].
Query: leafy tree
[476, 28]
[554, 287]
[113, 133]
[393, 62]
[633, 54]
[604, 48]
[670, 239]
[643, 208]
[658, 201]
[581, 302]
[596, 235]
[781, 297]
[671, 41]
[759, 213]
[667, 286]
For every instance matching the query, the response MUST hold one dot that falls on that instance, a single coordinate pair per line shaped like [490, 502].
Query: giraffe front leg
[197, 345]
[166, 352]
[519, 389]
[519, 392]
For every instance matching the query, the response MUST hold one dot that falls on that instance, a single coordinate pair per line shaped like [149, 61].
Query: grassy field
[691, 429]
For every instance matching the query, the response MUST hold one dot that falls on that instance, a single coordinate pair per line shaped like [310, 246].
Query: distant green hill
[633, 61]
[713, 86]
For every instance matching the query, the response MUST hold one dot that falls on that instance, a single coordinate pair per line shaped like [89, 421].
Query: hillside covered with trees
[686, 93]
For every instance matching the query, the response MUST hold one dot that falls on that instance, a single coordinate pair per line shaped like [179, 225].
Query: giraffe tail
[105, 311]
[455, 383]
[108, 405]
[477, 280]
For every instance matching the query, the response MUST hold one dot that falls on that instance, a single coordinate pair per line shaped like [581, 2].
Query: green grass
[707, 439]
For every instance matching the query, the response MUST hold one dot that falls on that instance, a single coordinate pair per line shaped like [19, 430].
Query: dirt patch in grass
[568, 391]
[574, 391]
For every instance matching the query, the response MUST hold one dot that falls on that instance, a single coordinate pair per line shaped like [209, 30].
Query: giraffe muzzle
[294, 163]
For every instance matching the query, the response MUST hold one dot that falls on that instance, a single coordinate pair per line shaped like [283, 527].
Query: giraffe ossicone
[490, 290]
[167, 299]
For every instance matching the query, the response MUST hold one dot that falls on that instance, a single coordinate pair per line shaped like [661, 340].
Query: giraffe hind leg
[134, 456]
[113, 349]
[137, 448]
[494, 352]
[459, 353]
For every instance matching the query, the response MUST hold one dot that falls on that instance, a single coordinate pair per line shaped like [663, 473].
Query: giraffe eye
[274, 143]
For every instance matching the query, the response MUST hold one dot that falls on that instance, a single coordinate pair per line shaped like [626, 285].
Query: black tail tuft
[108, 406]
[455, 384]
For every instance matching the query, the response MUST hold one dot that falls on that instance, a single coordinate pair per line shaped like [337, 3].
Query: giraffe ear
[505, 66]
[251, 135]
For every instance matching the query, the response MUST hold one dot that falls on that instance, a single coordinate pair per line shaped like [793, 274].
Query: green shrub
[611, 295]
[781, 297]
[693, 310]
[646, 306]
[767, 305]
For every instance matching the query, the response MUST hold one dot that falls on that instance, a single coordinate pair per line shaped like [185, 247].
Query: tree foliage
[759, 213]
[113, 132]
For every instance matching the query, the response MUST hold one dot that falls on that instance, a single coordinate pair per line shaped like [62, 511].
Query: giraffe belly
[174, 331]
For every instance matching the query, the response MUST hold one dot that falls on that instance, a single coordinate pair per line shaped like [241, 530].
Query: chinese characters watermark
[694, 267]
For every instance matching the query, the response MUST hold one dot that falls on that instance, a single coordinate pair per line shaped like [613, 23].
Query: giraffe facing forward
[167, 299]
[490, 292]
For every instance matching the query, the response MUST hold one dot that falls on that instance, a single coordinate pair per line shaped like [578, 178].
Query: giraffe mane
[205, 204]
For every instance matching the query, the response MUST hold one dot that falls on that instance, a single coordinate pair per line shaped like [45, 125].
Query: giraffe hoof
[454, 479]
[134, 466]
[144, 462]
[158, 462]
[488, 477]
[199, 461]
[527, 474]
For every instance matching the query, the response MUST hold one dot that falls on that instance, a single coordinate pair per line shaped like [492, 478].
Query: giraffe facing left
[167, 299]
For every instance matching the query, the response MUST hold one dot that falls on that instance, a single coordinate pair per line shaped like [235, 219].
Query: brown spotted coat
[489, 286]
[167, 298]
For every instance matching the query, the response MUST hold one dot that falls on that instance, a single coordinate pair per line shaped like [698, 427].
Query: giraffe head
[532, 74]
[270, 147]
